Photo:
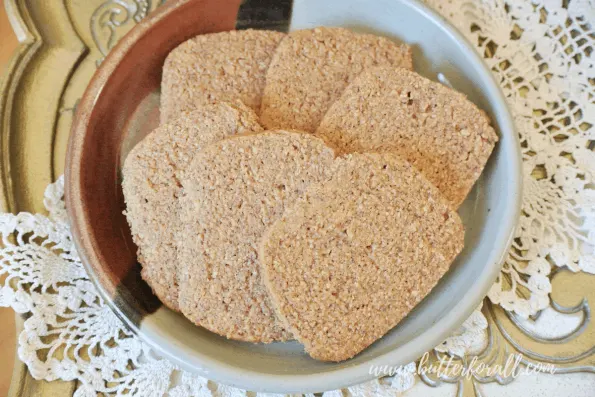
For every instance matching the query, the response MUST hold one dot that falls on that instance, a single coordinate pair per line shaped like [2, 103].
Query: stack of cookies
[301, 186]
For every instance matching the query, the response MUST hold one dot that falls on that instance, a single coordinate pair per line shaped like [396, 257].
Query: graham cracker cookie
[311, 68]
[151, 186]
[357, 253]
[237, 188]
[437, 129]
[218, 66]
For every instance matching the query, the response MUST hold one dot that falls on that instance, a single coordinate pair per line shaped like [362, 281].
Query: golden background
[8, 43]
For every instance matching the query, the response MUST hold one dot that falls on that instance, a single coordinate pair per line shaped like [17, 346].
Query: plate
[120, 107]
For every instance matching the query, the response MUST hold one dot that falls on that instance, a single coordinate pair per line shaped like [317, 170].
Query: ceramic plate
[120, 107]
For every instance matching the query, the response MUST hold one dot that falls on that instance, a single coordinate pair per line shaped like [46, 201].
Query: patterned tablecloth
[542, 54]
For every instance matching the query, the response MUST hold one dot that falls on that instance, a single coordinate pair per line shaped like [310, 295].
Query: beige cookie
[311, 68]
[432, 126]
[151, 186]
[357, 253]
[238, 187]
[223, 66]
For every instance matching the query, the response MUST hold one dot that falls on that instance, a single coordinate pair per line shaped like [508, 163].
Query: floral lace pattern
[541, 52]
[71, 334]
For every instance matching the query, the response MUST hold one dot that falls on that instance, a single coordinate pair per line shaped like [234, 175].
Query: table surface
[8, 42]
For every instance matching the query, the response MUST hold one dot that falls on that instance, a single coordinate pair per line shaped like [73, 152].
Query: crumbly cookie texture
[435, 128]
[357, 253]
[218, 66]
[311, 68]
[151, 185]
[237, 188]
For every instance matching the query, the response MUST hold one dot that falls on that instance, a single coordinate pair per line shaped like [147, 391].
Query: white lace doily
[71, 334]
[542, 53]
